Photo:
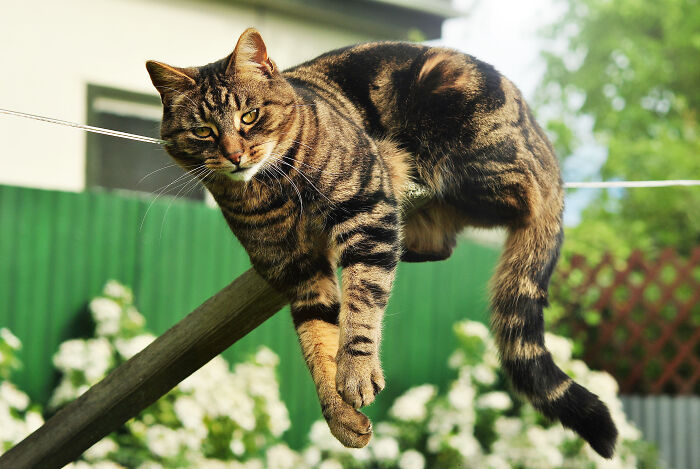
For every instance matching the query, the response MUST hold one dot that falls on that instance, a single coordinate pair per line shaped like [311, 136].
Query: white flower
[13, 396]
[490, 357]
[602, 384]
[278, 417]
[467, 446]
[162, 441]
[64, 392]
[483, 374]
[117, 290]
[101, 449]
[10, 339]
[99, 359]
[33, 420]
[386, 429]
[411, 405]
[330, 464]
[127, 348]
[237, 447]
[266, 357]
[461, 395]
[312, 455]
[11, 429]
[189, 412]
[508, 427]
[281, 457]
[253, 464]
[93, 357]
[135, 318]
[495, 461]
[457, 359]
[473, 329]
[70, 356]
[107, 315]
[560, 347]
[578, 369]
[411, 459]
[385, 448]
[496, 400]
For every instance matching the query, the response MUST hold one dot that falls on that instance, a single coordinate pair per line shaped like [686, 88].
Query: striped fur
[317, 181]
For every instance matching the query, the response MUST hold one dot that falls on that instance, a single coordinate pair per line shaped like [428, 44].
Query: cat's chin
[245, 174]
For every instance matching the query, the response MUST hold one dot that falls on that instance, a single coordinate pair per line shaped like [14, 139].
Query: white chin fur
[248, 173]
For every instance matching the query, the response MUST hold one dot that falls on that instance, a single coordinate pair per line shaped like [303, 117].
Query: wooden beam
[183, 349]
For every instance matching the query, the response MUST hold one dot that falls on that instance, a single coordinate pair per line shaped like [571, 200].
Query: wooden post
[204, 333]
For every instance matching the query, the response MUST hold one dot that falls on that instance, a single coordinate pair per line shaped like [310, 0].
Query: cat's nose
[234, 157]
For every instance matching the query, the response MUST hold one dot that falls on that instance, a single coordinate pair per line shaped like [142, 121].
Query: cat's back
[395, 85]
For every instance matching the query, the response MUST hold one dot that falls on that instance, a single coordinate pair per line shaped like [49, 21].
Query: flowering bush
[216, 418]
[222, 418]
[17, 418]
[479, 423]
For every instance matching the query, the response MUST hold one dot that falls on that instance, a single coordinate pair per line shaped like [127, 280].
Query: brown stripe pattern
[311, 167]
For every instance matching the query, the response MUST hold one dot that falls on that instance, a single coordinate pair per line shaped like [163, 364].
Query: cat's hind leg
[430, 233]
[315, 315]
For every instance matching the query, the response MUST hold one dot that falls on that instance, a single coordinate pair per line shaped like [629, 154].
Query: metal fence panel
[672, 423]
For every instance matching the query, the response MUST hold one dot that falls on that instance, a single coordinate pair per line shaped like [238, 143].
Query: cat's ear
[250, 53]
[170, 80]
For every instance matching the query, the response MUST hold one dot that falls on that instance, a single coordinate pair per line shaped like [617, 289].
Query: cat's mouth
[243, 173]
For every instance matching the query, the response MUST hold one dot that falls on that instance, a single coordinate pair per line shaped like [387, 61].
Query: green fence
[58, 249]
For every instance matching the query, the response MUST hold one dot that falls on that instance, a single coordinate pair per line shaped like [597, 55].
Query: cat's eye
[203, 132]
[249, 117]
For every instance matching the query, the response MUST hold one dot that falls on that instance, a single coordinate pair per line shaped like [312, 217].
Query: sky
[504, 33]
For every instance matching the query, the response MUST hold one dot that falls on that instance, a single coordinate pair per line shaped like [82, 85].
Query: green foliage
[18, 417]
[216, 416]
[480, 423]
[233, 418]
[634, 63]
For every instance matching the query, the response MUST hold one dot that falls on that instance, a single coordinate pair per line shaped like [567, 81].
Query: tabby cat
[312, 168]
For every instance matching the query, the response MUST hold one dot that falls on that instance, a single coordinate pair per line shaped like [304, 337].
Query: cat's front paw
[352, 428]
[359, 378]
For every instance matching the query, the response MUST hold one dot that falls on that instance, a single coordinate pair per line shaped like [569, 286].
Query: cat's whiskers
[160, 191]
[280, 172]
[304, 144]
[196, 173]
[318, 168]
[157, 170]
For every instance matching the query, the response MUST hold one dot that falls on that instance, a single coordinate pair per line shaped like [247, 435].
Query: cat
[312, 168]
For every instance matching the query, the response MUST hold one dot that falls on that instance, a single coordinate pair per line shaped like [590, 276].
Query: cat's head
[228, 116]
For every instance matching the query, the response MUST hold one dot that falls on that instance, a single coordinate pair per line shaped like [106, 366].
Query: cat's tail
[519, 292]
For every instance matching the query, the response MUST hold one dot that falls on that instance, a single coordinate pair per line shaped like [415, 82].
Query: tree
[633, 66]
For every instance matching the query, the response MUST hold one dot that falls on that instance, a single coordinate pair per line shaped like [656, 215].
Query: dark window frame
[93, 156]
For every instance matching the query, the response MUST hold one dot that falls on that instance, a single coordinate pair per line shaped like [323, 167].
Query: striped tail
[519, 292]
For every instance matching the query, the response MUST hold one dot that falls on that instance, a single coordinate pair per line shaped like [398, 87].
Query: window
[119, 164]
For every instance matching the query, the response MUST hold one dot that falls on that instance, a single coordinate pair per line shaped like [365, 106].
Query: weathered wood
[207, 331]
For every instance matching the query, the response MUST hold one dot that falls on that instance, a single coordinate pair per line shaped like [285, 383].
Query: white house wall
[51, 50]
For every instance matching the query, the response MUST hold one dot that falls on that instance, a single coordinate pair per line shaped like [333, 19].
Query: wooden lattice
[638, 319]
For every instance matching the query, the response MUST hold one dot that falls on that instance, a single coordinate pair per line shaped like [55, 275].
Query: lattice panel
[638, 319]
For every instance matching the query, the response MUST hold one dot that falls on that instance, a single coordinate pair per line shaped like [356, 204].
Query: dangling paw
[352, 428]
[359, 378]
